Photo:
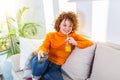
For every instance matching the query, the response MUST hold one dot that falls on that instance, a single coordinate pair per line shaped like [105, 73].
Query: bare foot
[34, 79]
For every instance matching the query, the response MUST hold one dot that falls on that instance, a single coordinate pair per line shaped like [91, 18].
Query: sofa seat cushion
[106, 63]
[78, 64]
[65, 76]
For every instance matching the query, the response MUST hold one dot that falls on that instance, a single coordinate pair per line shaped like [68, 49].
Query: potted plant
[27, 32]
[9, 43]
[12, 37]
[24, 31]
[3, 42]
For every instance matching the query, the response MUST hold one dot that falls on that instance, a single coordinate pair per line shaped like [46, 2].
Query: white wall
[99, 20]
[106, 24]
[84, 9]
[113, 29]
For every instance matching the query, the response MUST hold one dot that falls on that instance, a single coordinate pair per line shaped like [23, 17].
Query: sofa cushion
[78, 64]
[27, 46]
[65, 76]
[106, 63]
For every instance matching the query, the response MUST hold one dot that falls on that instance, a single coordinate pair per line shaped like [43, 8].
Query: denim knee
[37, 68]
[54, 72]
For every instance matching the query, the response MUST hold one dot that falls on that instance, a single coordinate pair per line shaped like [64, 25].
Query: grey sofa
[98, 62]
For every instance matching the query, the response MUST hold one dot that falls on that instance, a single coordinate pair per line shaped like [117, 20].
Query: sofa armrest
[15, 59]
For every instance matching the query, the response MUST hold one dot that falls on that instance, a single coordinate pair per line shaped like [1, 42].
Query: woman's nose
[67, 27]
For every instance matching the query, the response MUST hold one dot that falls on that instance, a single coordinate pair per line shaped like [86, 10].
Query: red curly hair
[67, 15]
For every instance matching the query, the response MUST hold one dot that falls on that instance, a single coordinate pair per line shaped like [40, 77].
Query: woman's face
[66, 26]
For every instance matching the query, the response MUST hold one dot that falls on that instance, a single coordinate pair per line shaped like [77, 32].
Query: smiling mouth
[66, 32]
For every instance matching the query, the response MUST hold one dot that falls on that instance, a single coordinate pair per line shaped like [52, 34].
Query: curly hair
[67, 15]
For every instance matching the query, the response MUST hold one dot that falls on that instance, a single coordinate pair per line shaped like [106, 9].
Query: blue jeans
[46, 70]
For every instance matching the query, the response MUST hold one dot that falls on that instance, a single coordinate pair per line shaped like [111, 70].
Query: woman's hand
[71, 41]
[40, 54]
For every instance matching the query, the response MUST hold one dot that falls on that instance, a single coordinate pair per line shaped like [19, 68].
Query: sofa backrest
[106, 65]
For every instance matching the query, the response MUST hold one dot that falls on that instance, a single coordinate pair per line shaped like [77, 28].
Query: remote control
[42, 59]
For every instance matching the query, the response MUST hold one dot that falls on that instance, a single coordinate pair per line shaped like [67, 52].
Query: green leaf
[29, 29]
[20, 15]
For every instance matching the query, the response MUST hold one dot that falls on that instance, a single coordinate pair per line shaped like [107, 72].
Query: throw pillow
[78, 64]
[27, 46]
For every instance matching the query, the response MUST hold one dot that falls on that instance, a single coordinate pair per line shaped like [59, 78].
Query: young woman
[58, 45]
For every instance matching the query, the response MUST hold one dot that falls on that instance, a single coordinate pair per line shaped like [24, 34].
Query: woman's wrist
[75, 43]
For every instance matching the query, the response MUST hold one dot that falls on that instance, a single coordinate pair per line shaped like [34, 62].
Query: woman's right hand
[40, 54]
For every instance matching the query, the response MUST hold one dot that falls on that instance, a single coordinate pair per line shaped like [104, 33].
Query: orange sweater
[54, 43]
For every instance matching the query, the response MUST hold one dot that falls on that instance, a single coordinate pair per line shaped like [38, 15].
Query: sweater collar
[61, 34]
